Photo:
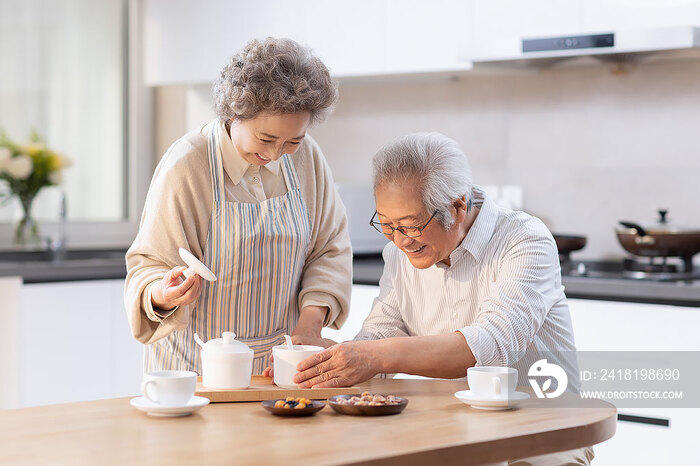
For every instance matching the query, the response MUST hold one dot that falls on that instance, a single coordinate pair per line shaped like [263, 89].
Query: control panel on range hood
[623, 45]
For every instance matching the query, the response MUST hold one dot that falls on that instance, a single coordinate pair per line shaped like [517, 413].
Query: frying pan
[568, 243]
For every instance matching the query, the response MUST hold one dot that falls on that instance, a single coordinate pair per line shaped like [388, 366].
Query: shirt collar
[236, 166]
[481, 231]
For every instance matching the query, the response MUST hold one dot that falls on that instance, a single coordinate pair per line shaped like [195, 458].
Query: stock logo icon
[546, 372]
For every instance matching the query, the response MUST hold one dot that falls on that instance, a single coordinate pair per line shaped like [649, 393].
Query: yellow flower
[56, 162]
[34, 149]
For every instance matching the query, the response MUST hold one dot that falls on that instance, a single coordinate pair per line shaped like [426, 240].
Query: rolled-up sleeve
[385, 320]
[176, 214]
[527, 285]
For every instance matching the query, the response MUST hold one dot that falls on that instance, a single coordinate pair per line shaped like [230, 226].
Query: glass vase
[27, 230]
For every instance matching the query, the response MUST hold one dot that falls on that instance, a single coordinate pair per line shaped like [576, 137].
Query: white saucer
[142, 404]
[492, 404]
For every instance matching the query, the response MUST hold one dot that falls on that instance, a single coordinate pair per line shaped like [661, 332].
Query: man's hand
[341, 365]
[325, 342]
[174, 290]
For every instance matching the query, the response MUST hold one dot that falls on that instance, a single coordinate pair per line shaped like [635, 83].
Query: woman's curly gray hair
[435, 162]
[276, 76]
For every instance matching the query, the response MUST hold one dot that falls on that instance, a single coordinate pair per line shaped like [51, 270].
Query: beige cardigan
[177, 213]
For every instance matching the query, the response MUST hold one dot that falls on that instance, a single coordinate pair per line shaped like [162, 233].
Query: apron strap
[215, 165]
[290, 174]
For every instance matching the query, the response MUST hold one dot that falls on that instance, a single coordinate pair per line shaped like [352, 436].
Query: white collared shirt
[261, 182]
[502, 291]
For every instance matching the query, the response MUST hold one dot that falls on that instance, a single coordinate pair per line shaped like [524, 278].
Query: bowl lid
[226, 344]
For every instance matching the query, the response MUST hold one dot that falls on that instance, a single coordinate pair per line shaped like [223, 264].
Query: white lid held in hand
[195, 266]
[226, 344]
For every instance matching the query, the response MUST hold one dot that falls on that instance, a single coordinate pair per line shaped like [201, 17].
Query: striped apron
[257, 252]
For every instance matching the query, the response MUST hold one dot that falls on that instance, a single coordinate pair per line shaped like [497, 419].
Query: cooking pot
[568, 243]
[660, 239]
[226, 362]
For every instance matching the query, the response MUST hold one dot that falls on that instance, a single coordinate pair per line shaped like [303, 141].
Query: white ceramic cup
[286, 360]
[489, 382]
[169, 388]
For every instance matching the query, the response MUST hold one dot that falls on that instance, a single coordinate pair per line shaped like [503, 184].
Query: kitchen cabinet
[188, 41]
[605, 15]
[9, 303]
[621, 326]
[70, 341]
[354, 39]
[74, 343]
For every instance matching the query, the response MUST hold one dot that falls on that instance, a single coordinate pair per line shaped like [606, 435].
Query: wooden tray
[262, 388]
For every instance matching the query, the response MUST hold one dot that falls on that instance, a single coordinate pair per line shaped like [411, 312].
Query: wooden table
[435, 427]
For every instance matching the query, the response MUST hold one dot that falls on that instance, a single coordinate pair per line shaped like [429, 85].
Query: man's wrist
[381, 349]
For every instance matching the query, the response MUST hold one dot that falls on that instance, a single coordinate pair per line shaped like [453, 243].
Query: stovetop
[602, 280]
[615, 281]
[631, 269]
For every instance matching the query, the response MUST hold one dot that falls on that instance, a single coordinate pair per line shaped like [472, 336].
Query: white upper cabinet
[189, 41]
[426, 36]
[349, 37]
[606, 15]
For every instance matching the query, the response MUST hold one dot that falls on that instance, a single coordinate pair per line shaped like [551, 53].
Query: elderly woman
[251, 195]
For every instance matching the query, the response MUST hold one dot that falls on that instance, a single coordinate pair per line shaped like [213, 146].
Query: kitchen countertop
[101, 264]
[41, 266]
[367, 270]
[434, 427]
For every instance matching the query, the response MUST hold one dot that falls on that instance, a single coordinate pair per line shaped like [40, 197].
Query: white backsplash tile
[587, 148]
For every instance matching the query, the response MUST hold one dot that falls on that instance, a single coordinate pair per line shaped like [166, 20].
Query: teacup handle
[497, 386]
[144, 390]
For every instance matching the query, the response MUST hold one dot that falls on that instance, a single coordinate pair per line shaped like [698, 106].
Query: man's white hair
[435, 162]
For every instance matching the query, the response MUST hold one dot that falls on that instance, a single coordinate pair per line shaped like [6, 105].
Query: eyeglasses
[388, 230]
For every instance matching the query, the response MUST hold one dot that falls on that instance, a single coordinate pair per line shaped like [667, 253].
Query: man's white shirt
[502, 291]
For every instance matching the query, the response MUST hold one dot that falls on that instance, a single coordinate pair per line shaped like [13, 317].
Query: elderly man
[465, 282]
[468, 282]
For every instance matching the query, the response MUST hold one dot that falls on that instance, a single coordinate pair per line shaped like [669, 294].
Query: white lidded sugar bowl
[226, 362]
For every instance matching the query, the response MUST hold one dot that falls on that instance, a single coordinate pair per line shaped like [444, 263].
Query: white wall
[589, 147]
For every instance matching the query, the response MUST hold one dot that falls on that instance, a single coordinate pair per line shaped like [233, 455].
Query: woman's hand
[313, 341]
[174, 290]
[269, 371]
[308, 329]
[341, 365]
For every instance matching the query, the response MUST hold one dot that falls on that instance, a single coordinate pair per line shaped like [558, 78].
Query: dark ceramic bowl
[355, 410]
[315, 407]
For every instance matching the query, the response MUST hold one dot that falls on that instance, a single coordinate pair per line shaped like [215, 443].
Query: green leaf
[34, 136]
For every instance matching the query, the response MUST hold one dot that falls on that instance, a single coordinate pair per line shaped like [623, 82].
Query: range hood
[622, 47]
